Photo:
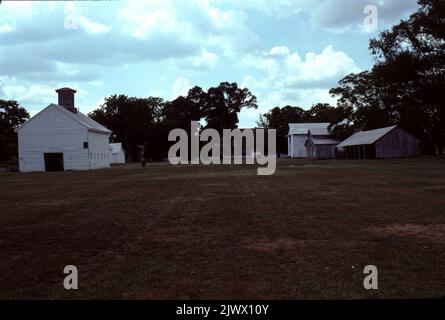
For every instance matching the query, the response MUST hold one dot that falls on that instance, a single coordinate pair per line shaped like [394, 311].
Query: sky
[287, 52]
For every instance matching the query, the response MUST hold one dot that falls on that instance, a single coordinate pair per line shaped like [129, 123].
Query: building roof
[318, 129]
[116, 147]
[365, 137]
[84, 120]
[325, 141]
[91, 124]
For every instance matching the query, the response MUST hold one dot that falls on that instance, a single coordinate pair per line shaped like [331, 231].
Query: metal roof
[84, 120]
[325, 141]
[317, 129]
[116, 147]
[365, 137]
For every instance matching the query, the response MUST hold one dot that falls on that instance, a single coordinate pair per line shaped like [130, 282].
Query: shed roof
[316, 128]
[325, 141]
[116, 147]
[84, 120]
[365, 137]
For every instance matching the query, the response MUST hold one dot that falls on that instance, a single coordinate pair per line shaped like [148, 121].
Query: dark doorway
[370, 151]
[358, 152]
[53, 161]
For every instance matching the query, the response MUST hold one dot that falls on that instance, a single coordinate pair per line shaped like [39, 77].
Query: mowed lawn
[209, 232]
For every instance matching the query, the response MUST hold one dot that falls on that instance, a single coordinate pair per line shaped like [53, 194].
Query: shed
[298, 135]
[382, 143]
[117, 153]
[320, 148]
[60, 137]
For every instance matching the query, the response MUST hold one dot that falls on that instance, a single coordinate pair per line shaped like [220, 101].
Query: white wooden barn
[117, 153]
[62, 138]
[298, 135]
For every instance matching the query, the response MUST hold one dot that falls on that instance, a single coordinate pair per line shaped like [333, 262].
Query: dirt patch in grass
[430, 233]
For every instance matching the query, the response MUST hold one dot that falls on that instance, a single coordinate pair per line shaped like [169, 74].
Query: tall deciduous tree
[12, 115]
[220, 105]
[134, 121]
[411, 57]
[181, 111]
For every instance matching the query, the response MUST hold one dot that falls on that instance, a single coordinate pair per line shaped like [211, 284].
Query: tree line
[147, 121]
[404, 87]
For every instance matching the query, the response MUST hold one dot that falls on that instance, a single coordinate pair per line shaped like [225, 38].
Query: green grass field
[223, 232]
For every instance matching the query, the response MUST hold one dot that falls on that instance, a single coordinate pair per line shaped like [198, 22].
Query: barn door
[53, 161]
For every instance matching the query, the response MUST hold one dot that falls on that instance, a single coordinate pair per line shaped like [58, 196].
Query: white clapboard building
[117, 153]
[62, 138]
[298, 135]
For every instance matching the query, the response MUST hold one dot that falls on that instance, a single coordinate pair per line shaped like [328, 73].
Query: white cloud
[331, 15]
[287, 69]
[143, 18]
[180, 87]
[277, 8]
[93, 27]
[206, 60]
[26, 93]
[197, 21]
[290, 79]
[21, 8]
[4, 28]
[279, 51]
[96, 83]
[349, 15]
[34, 97]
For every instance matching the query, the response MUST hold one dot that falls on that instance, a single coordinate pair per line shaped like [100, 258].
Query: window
[85, 145]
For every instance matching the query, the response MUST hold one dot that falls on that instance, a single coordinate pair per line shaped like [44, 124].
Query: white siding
[99, 150]
[299, 149]
[52, 131]
[118, 157]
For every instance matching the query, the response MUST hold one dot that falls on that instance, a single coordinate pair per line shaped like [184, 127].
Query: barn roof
[316, 128]
[91, 124]
[116, 147]
[365, 137]
[324, 141]
[84, 120]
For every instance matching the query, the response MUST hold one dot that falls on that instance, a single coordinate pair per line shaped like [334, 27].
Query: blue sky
[284, 51]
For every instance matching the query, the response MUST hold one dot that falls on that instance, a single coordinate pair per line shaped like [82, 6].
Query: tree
[279, 119]
[411, 56]
[12, 115]
[181, 111]
[134, 121]
[360, 105]
[220, 105]
[323, 112]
